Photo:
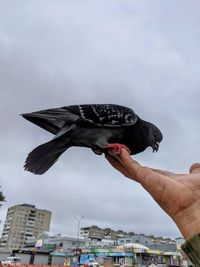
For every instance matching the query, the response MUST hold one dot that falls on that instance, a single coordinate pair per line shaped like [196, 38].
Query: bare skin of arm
[177, 194]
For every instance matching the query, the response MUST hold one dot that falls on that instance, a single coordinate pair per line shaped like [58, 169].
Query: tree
[2, 197]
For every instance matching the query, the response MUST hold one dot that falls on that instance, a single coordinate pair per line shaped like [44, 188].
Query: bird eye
[155, 134]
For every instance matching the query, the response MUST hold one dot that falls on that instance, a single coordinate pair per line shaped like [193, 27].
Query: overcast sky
[141, 54]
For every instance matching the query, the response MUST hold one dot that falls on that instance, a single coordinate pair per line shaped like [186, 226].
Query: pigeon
[102, 127]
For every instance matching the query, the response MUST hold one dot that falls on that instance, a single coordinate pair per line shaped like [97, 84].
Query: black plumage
[93, 126]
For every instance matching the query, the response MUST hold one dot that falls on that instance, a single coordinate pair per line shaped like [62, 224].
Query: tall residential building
[22, 222]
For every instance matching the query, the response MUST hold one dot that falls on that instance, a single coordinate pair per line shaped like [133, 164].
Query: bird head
[154, 136]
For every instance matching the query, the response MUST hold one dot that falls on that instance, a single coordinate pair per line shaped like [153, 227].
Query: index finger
[150, 180]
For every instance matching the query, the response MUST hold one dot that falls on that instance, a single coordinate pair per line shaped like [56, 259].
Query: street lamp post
[79, 221]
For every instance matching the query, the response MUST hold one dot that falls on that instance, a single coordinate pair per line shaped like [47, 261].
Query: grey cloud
[137, 54]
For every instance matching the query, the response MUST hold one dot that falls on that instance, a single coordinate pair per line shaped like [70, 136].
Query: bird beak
[155, 147]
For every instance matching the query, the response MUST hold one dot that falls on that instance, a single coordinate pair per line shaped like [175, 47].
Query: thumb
[195, 168]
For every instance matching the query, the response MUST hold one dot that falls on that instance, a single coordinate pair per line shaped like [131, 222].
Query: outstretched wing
[104, 115]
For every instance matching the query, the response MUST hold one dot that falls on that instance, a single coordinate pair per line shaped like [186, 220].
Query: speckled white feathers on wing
[106, 115]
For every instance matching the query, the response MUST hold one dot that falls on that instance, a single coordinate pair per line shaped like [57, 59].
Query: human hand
[177, 194]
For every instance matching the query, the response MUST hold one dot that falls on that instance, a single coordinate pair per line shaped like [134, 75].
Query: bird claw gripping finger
[116, 149]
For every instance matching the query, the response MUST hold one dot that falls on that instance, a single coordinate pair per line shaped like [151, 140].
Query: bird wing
[51, 120]
[99, 115]
[104, 115]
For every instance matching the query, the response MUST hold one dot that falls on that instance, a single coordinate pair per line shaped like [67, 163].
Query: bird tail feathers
[44, 156]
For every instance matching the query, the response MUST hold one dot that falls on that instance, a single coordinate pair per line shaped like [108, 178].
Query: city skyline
[81, 230]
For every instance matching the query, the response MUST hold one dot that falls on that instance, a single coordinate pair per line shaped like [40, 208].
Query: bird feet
[116, 149]
[97, 151]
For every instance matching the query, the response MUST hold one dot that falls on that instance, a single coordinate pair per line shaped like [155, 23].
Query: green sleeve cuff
[191, 247]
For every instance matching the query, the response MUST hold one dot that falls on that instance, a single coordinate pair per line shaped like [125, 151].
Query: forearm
[191, 247]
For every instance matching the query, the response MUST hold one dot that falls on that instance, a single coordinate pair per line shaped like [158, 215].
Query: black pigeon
[100, 127]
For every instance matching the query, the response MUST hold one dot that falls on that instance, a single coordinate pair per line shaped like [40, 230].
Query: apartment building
[95, 232]
[23, 222]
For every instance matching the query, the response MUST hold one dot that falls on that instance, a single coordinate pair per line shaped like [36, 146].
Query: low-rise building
[95, 232]
[156, 243]
[47, 241]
